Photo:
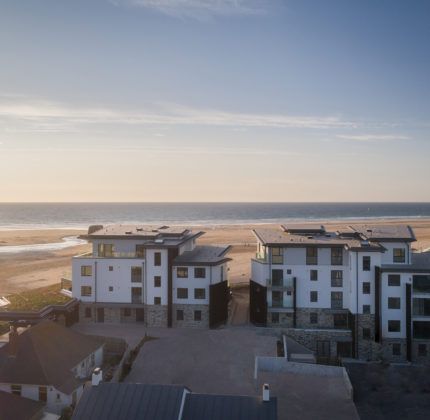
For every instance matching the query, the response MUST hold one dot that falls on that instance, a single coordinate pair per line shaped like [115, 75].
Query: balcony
[287, 284]
[261, 257]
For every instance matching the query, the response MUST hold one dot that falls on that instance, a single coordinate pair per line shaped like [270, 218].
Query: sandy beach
[28, 270]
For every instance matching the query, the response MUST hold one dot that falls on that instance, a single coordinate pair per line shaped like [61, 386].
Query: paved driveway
[211, 361]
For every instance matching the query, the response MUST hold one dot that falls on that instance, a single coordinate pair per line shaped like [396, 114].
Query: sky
[214, 100]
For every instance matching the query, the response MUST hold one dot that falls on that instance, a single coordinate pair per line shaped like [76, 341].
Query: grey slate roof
[123, 401]
[385, 232]
[203, 255]
[14, 407]
[46, 355]
[228, 407]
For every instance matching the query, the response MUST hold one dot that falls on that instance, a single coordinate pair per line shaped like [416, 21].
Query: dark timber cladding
[377, 304]
[408, 323]
[352, 325]
[218, 304]
[172, 254]
[257, 303]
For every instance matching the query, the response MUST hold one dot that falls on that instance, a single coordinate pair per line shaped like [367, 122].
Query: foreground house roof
[123, 401]
[16, 407]
[114, 401]
[45, 355]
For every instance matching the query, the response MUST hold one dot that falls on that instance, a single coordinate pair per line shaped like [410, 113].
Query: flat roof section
[203, 255]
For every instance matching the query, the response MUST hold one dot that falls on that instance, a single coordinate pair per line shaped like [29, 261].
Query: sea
[81, 215]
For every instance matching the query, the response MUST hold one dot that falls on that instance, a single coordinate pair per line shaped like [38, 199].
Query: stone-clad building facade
[356, 292]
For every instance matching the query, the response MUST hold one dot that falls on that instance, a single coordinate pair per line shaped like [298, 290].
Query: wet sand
[29, 270]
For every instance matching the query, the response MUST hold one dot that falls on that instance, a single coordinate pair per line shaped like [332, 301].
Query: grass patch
[36, 299]
[4, 327]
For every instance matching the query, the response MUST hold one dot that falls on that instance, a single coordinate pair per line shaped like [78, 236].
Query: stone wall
[416, 357]
[387, 349]
[367, 348]
[156, 315]
[309, 337]
[285, 320]
[325, 318]
[189, 316]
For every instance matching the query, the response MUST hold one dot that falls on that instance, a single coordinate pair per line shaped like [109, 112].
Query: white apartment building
[358, 292]
[158, 276]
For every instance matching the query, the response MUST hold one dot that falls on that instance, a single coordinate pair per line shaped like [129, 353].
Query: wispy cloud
[372, 137]
[26, 114]
[198, 9]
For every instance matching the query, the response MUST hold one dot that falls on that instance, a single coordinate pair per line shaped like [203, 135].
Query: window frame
[394, 278]
[391, 323]
[199, 290]
[399, 259]
[278, 257]
[199, 276]
[84, 269]
[183, 290]
[366, 288]
[336, 257]
[133, 276]
[157, 281]
[85, 287]
[313, 318]
[336, 306]
[366, 263]
[179, 314]
[182, 272]
[312, 294]
[199, 317]
[392, 299]
[311, 273]
[335, 279]
[311, 255]
[157, 259]
[157, 300]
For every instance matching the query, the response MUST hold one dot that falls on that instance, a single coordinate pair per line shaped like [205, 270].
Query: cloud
[27, 114]
[198, 9]
[372, 137]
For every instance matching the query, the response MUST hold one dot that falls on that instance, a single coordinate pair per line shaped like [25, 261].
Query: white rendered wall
[152, 271]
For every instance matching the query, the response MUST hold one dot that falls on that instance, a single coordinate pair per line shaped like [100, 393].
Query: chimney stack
[97, 376]
[266, 393]
[13, 341]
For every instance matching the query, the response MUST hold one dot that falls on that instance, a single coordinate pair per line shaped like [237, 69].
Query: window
[275, 317]
[136, 274]
[277, 299]
[421, 330]
[197, 315]
[179, 315]
[111, 268]
[336, 278]
[421, 284]
[393, 326]
[86, 270]
[157, 258]
[86, 290]
[277, 256]
[199, 293]
[105, 250]
[88, 313]
[311, 256]
[314, 275]
[366, 334]
[366, 288]
[399, 255]
[126, 311]
[336, 300]
[314, 296]
[182, 293]
[199, 273]
[393, 279]
[397, 350]
[140, 251]
[289, 271]
[340, 321]
[136, 295]
[15, 389]
[110, 288]
[366, 263]
[336, 256]
[421, 307]
[393, 303]
[313, 318]
[157, 300]
[366, 309]
[422, 349]
[277, 277]
[157, 281]
[182, 272]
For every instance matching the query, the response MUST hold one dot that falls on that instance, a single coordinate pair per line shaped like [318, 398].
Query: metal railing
[112, 255]
[287, 283]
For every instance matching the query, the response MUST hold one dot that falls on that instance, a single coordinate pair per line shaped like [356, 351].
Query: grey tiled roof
[385, 232]
[123, 401]
[46, 355]
[203, 255]
[15, 407]
[228, 407]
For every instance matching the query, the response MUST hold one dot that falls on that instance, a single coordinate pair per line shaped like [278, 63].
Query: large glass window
[182, 272]
[421, 330]
[421, 284]
[136, 295]
[277, 277]
[86, 290]
[182, 293]
[136, 274]
[86, 270]
[277, 257]
[336, 278]
[421, 307]
[105, 250]
[336, 256]
[311, 256]
[366, 263]
[277, 299]
[336, 300]
[393, 279]
[199, 273]
[399, 255]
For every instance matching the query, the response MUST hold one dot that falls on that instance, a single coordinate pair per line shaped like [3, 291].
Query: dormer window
[399, 255]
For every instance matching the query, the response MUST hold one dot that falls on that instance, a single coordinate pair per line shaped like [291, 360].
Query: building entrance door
[100, 314]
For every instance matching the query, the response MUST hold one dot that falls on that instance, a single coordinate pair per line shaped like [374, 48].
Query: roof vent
[139, 229]
[159, 241]
[365, 243]
[129, 232]
[310, 237]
